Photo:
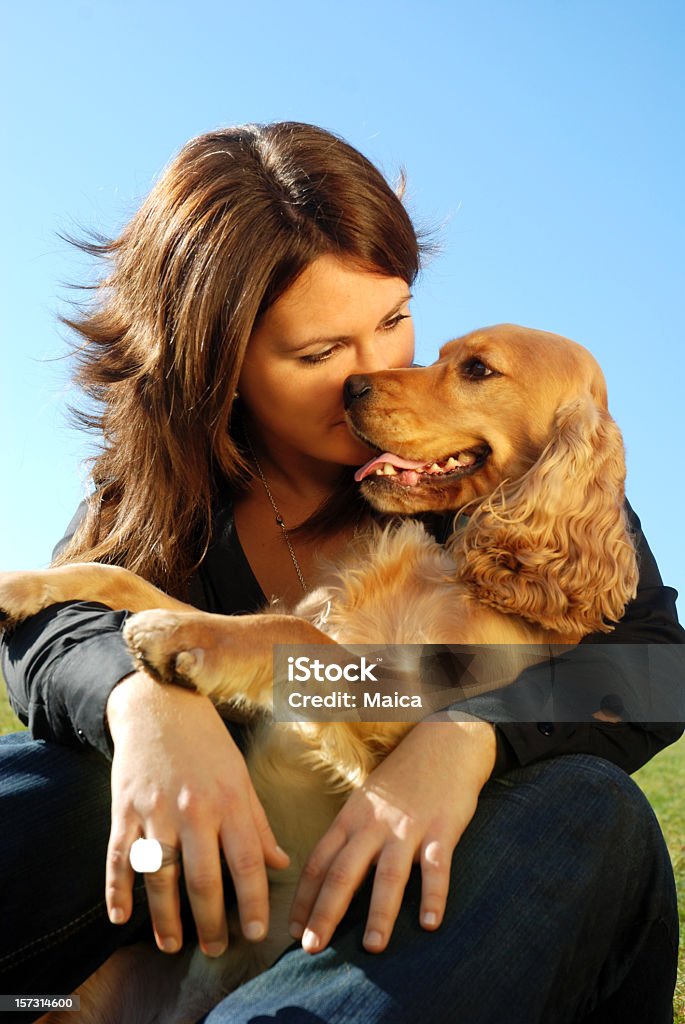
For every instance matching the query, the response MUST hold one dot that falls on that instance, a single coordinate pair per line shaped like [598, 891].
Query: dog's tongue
[395, 460]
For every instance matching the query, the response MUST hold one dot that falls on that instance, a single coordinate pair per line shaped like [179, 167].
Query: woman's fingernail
[310, 940]
[279, 849]
[296, 930]
[214, 948]
[373, 938]
[170, 945]
[116, 915]
[430, 918]
[254, 931]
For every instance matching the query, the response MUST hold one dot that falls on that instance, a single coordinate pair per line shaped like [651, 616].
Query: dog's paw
[23, 594]
[162, 644]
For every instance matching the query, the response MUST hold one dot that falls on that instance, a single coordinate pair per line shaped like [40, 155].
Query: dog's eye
[477, 368]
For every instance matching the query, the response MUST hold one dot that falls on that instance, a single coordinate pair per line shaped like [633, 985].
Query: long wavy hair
[234, 219]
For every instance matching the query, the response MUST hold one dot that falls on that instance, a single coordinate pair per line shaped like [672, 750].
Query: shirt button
[546, 728]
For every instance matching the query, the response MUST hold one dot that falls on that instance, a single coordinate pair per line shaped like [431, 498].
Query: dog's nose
[354, 388]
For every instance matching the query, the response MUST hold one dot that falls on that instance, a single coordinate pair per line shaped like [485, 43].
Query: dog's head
[450, 433]
[512, 423]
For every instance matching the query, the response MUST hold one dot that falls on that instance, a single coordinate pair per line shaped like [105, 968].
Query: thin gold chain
[279, 517]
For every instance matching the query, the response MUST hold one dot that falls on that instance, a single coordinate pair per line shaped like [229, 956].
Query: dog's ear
[555, 546]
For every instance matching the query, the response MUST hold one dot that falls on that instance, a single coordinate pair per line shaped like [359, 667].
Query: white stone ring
[147, 856]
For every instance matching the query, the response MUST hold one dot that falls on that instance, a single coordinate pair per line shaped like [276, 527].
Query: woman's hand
[178, 776]
[413, 808]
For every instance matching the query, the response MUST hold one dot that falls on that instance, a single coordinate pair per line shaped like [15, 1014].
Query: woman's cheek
[312, 397]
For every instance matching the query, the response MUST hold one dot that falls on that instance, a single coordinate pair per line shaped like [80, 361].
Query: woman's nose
[370, 358]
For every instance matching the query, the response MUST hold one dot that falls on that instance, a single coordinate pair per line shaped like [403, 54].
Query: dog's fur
[545, 556]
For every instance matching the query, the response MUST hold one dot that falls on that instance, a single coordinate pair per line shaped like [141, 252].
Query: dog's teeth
[451, 463]
[389, 469]
[435, 468]
[466, 459]
[378, 472]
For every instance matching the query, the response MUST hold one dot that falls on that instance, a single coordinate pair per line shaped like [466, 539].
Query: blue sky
[543, 141]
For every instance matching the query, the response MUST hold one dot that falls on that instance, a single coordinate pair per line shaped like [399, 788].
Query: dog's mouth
[394, 469]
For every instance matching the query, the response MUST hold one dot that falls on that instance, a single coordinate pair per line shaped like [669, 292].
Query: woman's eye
[477, 368]
[322, 357]
[319, 357]
[390, 325]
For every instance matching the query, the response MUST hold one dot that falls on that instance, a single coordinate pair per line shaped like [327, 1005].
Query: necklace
[279, 517]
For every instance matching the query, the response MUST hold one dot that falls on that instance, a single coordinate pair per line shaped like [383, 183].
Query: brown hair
[229, 226]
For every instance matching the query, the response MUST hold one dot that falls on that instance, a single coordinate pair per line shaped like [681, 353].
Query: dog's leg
[25, 593]
[225, 657]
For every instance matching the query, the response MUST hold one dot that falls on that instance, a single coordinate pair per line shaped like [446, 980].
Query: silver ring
[147, 856]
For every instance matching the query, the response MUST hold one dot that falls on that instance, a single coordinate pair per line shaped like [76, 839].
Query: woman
[267, 265]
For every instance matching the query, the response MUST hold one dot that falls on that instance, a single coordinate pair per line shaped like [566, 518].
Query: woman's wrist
[139, 694]
[473, 744]
[122, 694]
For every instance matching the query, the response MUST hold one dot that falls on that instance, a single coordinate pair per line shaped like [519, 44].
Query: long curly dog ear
[554, 546]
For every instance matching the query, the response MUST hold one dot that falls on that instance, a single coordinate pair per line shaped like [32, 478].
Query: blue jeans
[562, 907]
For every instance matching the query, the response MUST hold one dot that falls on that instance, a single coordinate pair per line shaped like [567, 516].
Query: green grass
[8, 720]
[663, 781]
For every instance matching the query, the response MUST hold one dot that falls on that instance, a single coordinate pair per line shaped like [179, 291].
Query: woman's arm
[72, 680]
[60, 667]
[177, 776]
[404, 813]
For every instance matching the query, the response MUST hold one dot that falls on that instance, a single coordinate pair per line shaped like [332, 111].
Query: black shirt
[61, 665]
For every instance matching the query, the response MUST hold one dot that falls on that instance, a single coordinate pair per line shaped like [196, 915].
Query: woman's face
[334, 320]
